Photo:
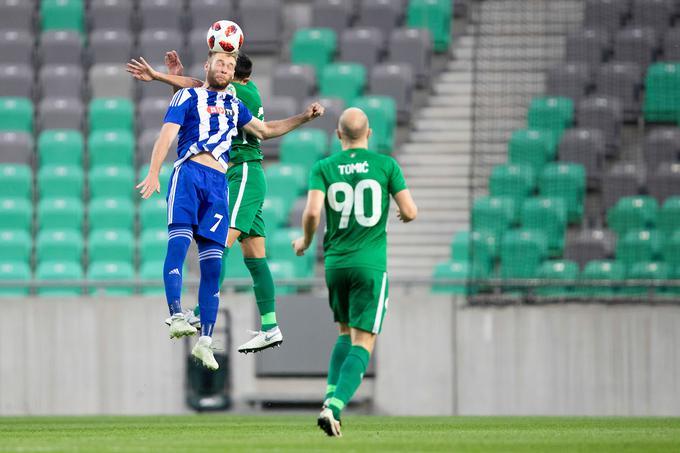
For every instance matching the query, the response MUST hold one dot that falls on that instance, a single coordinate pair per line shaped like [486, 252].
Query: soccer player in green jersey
[355, 187]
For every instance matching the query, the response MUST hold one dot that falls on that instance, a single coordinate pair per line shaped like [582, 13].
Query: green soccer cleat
[180, 327]
[204, 353]
[328, 423]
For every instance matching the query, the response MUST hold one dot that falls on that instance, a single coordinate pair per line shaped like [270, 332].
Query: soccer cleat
[328, 423]
[203, 351]
[179, 327]
[190, 317]
[262, 340]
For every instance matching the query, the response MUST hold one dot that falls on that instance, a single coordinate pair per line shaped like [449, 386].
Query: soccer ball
[225, 36]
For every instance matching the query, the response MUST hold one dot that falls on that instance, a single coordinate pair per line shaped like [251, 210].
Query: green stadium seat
[279, 248]
[566, 181]
[112, 182]
[115, 148]
[303, 147]
[152, 246]
[548, 215]
[111, 246]
[313, 46]
[633, 213]
[16, 214]
[111, 214]
[110, 270]
[669, 216]
[17, 181]
[283, 270]
[452, 270]
[460, 246]
[59, 246]
[671, 249]
[648, 270]
[345, 81]
[275, 212]
[61, 271]
[493, 215]
[434, 15]
[60, 147]
[15, 245]
[163, 176]
[604, 270]
[553, 114]
[516, 181]
[382, 117]
[557, 270]
[662, 100]
[530, 147]
[522, 252]
[286, 181]
[233, 267]
[60, 181]
[477, 248]
[62, 15]
[60, 214]
[108, 114]
[14, 270]
[152, 270]
[16, 114]
[638, 246]
[153, 214]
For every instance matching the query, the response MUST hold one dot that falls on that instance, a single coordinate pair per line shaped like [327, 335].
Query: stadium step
[452, 171]
[441, 137]
[426, 159]
[433, 151]
[429, 124]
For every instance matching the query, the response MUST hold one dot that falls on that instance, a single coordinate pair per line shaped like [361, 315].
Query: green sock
[263, 285]
[351, 374]
[340, 351]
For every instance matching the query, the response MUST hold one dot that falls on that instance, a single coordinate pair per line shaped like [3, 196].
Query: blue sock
[210, 261]
[179, 239]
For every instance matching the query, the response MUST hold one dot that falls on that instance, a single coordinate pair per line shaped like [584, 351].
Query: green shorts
[247, 189]
[358, 297]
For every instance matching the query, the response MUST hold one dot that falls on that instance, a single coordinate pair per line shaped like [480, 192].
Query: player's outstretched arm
[141, 70]
[271, 129]
[406, 207]
[151, 183]
[311, 217]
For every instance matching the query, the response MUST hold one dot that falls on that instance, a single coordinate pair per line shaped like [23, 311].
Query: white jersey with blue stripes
[208, 119]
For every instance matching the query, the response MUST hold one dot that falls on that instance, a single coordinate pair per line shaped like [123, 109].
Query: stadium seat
[16, 214]
[606, 14]
[264, 25]
[145, 144]
[275, 211]
[522, 252]
[669, 216]
[60, 181]
[552, 114]
[661, 145]
[515, 181]
[622, 180]
[283, 270]
[453, 270]
[111, 182]
[103, 271]
[313, 46]
[286, 181]
[566, 181]
[14, 270]
[589, 45]
[329, 121]
[111, 214]
[531, 147]
[549, 216]
[303, 147]
[589, 245]
[154, 42]
[62, 15]
[297, 81]
[153, 213]
[152, 270]
[493, 215]
[151, 112]
[476, 247]
[111, 114]
[17, 15]
[16, 46]
[413, 47]
[111, 81]
[61, 271]
[671, 249]
[16, 245]
[111, 14]
[602, 270]
[63, 47]
[569, 80]
[361, 45]
[16, 147]
[163, 176]
[647, 270]
[59, 246]
[61, 81]
[234, 267]
[278, 248]
[603, 113]
[664, 182]
[436, 17]
[460, 246]
[622, 81]
[586, 147]
[16, 114]
[110, 246]
[111, 147]
[17, 181]
[662, 102]
[161, 14]
[203, 12]
[61, 113]
[333, 14]
[557, 270]
[13, 79]
[342, 80]
[60, 147]
[381, 14]
[153, 244]
[652, 13]
[638, 246]
[382, 117]
[671, 44]
[277, 108]
[396, 81]
[60, 214]
[636, 45]
[633, 213]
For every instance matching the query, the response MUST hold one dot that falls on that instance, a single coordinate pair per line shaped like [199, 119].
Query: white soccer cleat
[328, 423]
[203, 351]
[190, 317]
[179, 327]
[262, 340]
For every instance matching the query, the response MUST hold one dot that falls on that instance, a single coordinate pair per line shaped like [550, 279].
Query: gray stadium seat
[262, 24]
[157, 90]
[197, 48]
[61, 113]
[110, 14]
[590, 46]
[16, 46]
[570, 80]
[333, 14]
[145, 146]
[622, 180]
[16, 15]
[397, 81]
[276, 108]
[203, 13]
[61, 47]
[384, 15]
[111, 81]
[161, 14]
[151, 112]
[665, 182]
[16, 80]
[636, 45]
[110, 46]
[671, 44]
[662, 145]
[362, 45]
[606, 14]
[16, 147]
[59, 81]
[586, 147]
[154, 43]
[622, 81]
[588, 245]
[652, 13]
[412, 46]
[605, 114]
[329, 121]
[293, 80]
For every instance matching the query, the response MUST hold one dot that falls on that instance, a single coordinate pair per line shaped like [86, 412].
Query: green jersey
[358, 184]
[244, 146]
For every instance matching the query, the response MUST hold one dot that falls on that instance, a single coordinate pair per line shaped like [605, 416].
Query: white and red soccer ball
[225, 36]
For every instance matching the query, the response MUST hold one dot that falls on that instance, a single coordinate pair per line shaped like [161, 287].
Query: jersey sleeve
[244, 115]
[316, 179]
[397, 182]
[178, 108]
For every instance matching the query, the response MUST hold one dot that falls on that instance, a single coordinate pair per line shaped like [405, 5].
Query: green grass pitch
[296, 433]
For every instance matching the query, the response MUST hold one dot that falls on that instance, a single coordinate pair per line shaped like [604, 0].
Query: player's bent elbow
[410, 213]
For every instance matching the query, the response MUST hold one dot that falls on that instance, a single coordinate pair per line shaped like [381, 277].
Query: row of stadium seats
[610, 15]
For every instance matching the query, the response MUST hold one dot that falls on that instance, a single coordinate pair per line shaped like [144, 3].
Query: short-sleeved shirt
[208, 120]
[246, 147]
[358, 184]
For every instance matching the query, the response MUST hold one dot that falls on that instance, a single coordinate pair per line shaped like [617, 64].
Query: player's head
[219, 70]
[244, 68]
[353, 130]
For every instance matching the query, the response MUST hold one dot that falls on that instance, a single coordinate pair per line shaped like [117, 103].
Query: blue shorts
[198, 196]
